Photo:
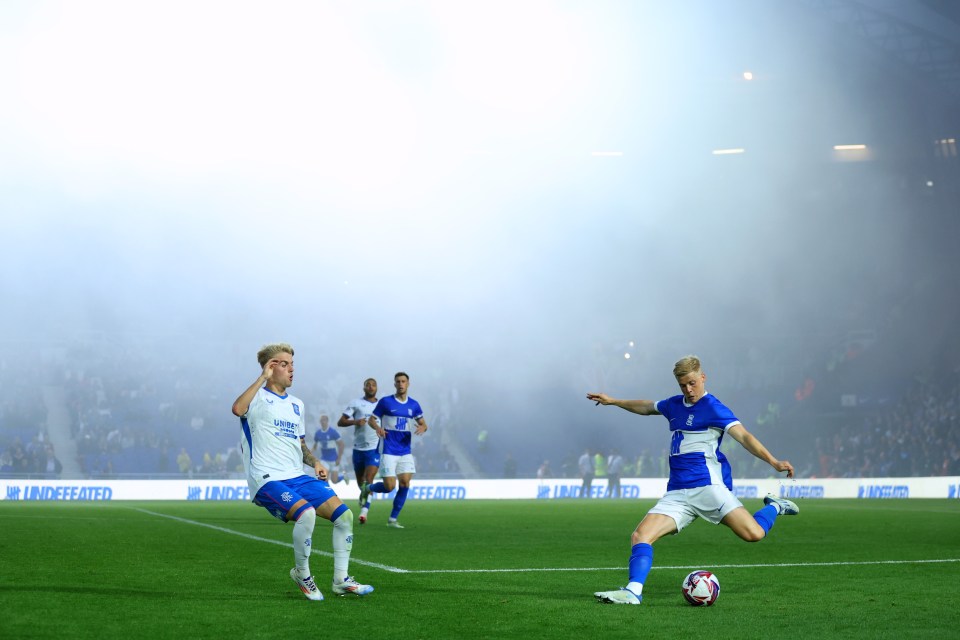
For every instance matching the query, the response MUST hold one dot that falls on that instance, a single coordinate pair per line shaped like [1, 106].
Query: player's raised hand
[599, 398]
[268, 368]
[784, 465]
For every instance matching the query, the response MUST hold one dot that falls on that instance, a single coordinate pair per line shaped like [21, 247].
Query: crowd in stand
[134, 424]
[131, 415]
[919, 436]
[25, 447]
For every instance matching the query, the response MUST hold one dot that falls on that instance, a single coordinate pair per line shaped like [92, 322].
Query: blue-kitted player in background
[701, 482]
[330, 443]
[396, 418]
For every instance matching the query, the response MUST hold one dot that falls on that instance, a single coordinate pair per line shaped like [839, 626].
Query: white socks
[342, 545]
[303, 540]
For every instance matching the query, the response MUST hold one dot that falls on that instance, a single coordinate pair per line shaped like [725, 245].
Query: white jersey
[364, 438]
[272, 428]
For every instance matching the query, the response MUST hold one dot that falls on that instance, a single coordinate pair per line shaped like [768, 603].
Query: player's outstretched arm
[640, 407]
[753, 445]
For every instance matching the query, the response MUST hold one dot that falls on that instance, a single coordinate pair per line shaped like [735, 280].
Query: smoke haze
[495, 197]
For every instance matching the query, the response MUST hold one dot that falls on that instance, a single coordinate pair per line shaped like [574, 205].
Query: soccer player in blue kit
[274, 452]
[392, 418]
[366, 442]
[330, 443]
[701, 483]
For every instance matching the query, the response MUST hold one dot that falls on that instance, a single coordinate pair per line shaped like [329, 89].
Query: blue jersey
[399, 420]
[695, 456]
[328, 443]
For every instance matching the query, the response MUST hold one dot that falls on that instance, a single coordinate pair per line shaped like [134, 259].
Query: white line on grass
[385, 567]
[692, 567]
[375, 565]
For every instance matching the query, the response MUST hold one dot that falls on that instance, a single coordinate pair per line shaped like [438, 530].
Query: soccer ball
[701, 588]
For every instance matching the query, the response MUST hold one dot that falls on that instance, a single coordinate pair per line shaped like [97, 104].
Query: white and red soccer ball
[701, 588]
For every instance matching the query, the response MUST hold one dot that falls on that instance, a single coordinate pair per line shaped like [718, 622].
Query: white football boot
[307, 585]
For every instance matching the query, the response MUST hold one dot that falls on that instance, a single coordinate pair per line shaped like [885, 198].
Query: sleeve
[660, 406]
[378, 410]
[254, 405]
[417, 411]
[725, 417]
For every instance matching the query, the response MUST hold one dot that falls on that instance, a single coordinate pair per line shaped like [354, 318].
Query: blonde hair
[686, 365]
[271, 350]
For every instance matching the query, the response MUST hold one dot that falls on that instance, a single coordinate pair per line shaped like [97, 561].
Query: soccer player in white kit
[366, 442]
[701, 482]
[274, 452]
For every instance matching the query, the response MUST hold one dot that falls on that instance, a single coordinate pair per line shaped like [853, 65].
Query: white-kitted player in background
[366, 442]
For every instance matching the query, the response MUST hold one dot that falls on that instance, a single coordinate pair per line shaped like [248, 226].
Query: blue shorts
[364, 459]
[279, 495]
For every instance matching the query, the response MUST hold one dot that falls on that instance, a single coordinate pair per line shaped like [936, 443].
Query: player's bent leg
[343, 583]
[302, 537]
[751, 528]
[653, 527]
[400, 499]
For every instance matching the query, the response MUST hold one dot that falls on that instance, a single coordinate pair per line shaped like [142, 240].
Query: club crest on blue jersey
[296, 408]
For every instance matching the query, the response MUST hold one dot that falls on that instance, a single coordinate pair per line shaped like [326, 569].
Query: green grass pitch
[475, 569]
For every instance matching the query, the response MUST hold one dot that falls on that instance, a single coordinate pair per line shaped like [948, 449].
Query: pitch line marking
[391, 569]
[691, 567]
[353, 560]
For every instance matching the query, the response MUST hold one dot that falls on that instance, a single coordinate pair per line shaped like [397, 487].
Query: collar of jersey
[705, 394]
[276, 394]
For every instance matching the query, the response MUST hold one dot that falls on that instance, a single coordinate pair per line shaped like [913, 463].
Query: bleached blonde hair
[686, 365]
[271, 350]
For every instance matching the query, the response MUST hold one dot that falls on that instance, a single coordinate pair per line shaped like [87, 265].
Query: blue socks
[641, 559]
[398, 501]
[766, 517]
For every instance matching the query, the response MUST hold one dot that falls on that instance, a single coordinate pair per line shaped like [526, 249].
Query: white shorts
[711, 503]
[391, 465]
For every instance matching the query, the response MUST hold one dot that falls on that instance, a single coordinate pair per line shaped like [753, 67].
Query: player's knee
[308, 518]
[636, 538]
[753, 534]
[345, 520]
